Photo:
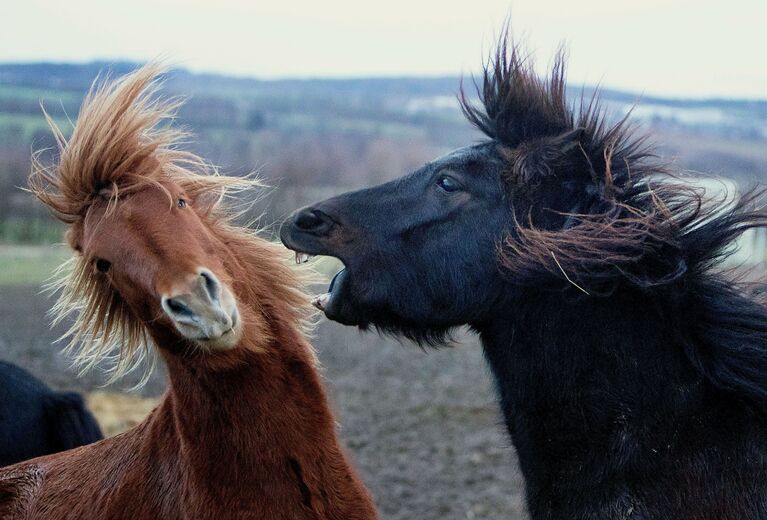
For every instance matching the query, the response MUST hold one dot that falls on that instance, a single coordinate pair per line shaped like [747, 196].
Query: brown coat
[257, 441]
[244, 430]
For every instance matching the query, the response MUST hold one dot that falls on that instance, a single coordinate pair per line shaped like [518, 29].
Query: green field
[37, 94]
[22, 127]
[30, 231]
[34, 264]
[29, 265]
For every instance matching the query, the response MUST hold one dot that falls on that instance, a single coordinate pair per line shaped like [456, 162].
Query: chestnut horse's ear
[74, 236]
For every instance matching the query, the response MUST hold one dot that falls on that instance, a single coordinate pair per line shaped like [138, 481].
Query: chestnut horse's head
[153, 251]
[157, 258]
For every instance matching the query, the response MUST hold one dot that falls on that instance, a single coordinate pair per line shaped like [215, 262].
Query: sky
[679, 48]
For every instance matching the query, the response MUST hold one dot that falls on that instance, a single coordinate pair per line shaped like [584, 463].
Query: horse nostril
[201, 309]
[307, 220]
[312, 220]
[176, 308]
[211, 284]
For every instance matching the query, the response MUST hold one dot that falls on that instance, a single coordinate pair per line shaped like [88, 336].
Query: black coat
[35, 420]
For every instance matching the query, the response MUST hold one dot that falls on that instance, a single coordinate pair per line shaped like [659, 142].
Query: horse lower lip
[321, 301]
[325, 302]
[335, 278]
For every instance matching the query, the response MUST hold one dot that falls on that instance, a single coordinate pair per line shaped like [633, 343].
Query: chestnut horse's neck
[262, 420]
[256, 414]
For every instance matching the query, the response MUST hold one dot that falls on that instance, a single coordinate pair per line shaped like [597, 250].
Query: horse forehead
[473, 152]
[152, 196]
[139, 208]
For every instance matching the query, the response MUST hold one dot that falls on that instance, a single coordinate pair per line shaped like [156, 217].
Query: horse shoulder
[19, 486]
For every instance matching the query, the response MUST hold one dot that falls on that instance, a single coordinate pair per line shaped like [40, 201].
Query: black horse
[631, 370]
[35, 420]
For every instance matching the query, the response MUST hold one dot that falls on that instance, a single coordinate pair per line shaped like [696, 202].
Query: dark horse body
[631, 373]
[35, 420]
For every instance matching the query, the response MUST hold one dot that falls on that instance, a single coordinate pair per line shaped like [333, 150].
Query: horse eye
[448, 184]
[103, 265]
[181, 203]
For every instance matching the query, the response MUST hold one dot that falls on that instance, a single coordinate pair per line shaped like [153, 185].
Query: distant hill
[314, 137]
[77, 77]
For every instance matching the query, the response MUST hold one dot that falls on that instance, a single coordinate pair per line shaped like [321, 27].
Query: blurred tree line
[310, 139]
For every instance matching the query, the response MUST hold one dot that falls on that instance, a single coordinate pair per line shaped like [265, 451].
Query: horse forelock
[121, 143]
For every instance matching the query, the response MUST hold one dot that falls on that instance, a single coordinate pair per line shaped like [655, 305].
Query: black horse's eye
[103, 265]
[181, 203]
[448, 184]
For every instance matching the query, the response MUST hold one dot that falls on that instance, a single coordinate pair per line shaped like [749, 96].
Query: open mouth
[334, 302]
[329, 300]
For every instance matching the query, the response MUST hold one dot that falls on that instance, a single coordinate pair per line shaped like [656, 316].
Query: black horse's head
[556, 198]
[419, 252]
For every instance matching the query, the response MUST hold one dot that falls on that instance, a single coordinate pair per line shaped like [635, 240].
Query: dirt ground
[423, 427]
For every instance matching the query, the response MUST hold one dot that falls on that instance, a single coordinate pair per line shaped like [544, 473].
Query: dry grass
[117, 413]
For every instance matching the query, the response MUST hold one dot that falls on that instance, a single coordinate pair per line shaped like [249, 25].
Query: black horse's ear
[568, 141]
[536, 160]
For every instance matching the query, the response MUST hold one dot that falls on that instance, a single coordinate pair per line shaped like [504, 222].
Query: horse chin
[226, 341]
[340, 305]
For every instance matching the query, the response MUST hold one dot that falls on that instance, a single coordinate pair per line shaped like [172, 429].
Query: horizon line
[639, 96]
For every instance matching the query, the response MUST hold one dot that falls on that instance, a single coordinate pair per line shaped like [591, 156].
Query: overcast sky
[670, 47]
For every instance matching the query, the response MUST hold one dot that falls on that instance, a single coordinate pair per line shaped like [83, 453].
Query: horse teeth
[321, 301]
[302, 258]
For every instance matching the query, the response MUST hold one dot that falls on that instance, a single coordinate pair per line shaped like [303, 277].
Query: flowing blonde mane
[123, 141]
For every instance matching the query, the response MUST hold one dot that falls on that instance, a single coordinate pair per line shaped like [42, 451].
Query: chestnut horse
[244, 430]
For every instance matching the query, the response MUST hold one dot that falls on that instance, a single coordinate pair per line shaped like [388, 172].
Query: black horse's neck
[599, 398]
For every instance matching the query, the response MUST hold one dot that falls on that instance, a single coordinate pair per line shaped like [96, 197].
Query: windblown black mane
[632, 220]
[630, 367]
